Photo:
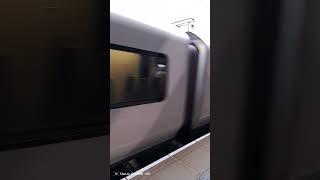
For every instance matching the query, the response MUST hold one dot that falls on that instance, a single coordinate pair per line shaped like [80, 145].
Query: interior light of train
[161, 65]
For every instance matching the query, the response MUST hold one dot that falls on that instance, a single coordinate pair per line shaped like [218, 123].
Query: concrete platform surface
[190, 162]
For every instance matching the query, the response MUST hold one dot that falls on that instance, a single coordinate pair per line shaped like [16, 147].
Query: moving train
[159, 86]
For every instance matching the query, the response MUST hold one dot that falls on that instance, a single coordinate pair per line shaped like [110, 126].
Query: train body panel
[201, 90]
[135, 128]
[204, 111]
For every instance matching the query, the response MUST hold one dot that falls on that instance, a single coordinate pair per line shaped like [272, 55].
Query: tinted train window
[136, 76]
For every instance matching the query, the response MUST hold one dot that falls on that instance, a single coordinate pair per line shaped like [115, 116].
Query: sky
[162, 13]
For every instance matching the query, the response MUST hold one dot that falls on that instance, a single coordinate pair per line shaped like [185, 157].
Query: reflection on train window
[136, 76]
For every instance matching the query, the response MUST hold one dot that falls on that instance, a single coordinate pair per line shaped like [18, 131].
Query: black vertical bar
[264, 40]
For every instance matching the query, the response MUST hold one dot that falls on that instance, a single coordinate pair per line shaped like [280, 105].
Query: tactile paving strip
[205, 175]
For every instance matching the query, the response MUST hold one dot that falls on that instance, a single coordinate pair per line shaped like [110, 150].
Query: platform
[190, 162]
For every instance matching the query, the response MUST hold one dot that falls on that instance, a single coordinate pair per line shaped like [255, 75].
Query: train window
[136, 76]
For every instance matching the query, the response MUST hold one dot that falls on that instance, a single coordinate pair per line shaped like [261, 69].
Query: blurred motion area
[52, 90]
[159, 83]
